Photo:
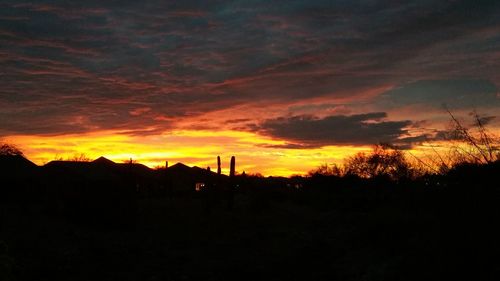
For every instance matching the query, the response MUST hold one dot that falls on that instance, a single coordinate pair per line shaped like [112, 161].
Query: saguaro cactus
[233, 166]
[218, 165]
[232, 184]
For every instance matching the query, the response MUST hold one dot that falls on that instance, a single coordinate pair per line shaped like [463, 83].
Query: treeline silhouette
[382, 215]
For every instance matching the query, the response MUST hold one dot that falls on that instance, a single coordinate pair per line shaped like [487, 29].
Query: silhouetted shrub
[383, 161]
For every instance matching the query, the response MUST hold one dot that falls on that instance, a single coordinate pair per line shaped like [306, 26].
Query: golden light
[193, 148]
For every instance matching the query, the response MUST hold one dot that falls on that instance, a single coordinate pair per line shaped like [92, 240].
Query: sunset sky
[283, 85]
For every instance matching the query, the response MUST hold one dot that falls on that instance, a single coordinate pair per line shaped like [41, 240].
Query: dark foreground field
[376, 233]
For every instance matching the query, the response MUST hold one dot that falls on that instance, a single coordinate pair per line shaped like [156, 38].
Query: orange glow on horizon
[193, 148]
[198, 148]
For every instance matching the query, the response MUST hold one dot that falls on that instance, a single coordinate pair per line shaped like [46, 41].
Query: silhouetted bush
[383, 161]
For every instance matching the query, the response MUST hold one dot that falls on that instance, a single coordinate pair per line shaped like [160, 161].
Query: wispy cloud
[94, 65]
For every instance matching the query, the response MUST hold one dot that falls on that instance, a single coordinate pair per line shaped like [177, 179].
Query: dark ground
[332, 233]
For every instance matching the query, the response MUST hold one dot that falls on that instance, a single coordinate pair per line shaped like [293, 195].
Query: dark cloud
[97, 61]
[239, 120]
[454, 93]
[308, 131]
[485, 120]
[289, 146]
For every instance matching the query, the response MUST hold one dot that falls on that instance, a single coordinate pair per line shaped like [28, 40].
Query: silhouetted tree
[8, 149]
[384, 160]
[327, 170]
[80, 158]
[473, 144]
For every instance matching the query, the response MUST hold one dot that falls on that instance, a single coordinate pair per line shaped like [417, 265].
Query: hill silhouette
[105, 220]
[103, 161]
[16, 164]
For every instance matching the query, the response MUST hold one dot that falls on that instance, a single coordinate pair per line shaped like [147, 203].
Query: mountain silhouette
[103, 161]
[182, 178]
[14, 166]
[99, 168]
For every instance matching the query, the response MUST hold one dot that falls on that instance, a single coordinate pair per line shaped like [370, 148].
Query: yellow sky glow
[191, 147]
